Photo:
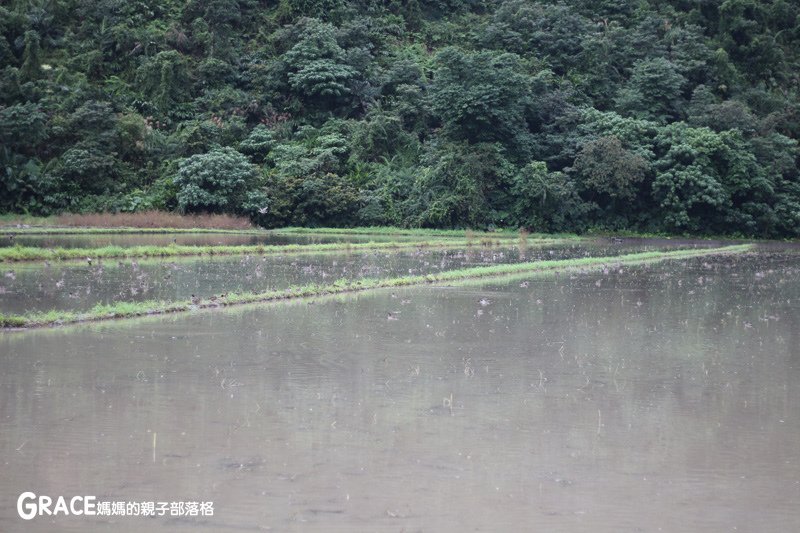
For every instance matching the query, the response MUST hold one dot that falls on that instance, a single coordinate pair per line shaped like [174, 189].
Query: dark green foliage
[22, 184]
[605, 167]
[258, 144]
[708, 180]
[545, 201]
[305, 185]
[315, 65]
[480, 96]
[620, 114]
[653, 91]
[164, 79]
[31, 57]
[22, 126]
[454, 185]
[215, 182]
[552, 32]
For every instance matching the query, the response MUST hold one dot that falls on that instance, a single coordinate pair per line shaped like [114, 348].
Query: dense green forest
[660, 116]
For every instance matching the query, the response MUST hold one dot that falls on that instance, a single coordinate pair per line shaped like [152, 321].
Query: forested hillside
[673, 115]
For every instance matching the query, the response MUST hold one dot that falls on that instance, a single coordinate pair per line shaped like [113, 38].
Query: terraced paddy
[95, 240]
[424, 389]
[78, 285]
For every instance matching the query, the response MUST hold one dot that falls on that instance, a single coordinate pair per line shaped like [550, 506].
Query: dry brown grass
[154, 219]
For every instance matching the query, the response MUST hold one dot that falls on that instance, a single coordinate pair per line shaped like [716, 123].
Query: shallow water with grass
[79, 286]
[635, 398]
[127, 240]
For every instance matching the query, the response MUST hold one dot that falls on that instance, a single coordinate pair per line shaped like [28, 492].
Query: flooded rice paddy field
[188, 239]
[78, 285]
[660, 397]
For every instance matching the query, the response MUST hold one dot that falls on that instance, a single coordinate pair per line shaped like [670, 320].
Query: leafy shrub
[214, 182]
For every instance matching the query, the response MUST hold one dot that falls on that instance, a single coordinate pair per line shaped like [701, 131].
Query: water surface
[98, 240]
[657, 398]
[77, 285]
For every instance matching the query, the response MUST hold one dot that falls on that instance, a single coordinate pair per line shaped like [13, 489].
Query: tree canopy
[661, 116]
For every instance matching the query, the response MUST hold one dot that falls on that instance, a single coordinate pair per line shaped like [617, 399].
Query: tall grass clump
[523, 237]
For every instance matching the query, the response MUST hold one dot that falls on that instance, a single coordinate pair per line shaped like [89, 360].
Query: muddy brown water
[655, 398]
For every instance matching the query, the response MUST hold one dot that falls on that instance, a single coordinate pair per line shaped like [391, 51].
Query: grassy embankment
[393, 230]
[165, 222]
[134, 309]
[33, 253]
[57, 229]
